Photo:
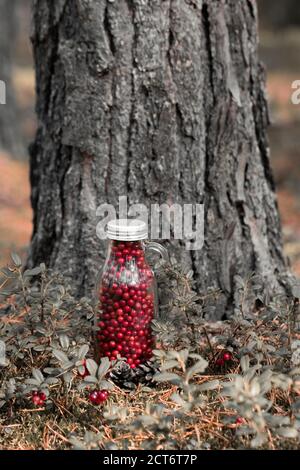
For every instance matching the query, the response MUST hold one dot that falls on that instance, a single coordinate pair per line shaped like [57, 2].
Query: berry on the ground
[38, 398]
[93, 396]
[227, 356]
[97, 397]
[220, 362]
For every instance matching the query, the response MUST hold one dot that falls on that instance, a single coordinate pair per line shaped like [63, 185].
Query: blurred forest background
[279, 50]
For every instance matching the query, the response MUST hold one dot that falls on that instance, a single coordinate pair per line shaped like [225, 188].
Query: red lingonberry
[38, 398]
[227, 356]
[102, 396]
[219, 362]
[35, 400]
[239, 420]
[93, 397]
[98, 396]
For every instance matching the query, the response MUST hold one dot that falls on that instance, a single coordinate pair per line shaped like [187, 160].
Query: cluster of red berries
[38, 398]
[98, 396]
[126, 305]
[224, 358]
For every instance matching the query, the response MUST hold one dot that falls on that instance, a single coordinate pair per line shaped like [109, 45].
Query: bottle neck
[126, 251]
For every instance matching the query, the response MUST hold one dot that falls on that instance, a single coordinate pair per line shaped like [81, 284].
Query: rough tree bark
[160, 100]
[10, 134]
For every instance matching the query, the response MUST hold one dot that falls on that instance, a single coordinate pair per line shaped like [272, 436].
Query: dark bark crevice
[206, 28]
[108, 30]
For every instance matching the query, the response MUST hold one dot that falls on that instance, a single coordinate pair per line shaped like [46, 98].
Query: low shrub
[225, 385]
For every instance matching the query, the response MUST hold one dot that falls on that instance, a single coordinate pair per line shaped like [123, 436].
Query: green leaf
[64, 341]
[52, 370]
[43, 267]
[197, 368]
[84, 349]
[167, 377]
[147, 420]
[184, 354]
[67, 365]
[40, 347]
[92, 366]
[68, 377]
[81, 369]
[104, 384]
[245, 363]
[33, 382]
[32, 272]
[90, 379]
[169, 364]
[180, 355]
[259, 440]
[82, 386]
[213, 385]
[178, 399]
[60, 355]
[289, 433]
[103, 368]
[16, 259]
[37, 374]
[51, 380]
[159, 353]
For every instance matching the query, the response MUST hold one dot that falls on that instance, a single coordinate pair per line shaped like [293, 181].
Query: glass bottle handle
[158, 248]
[163, 252]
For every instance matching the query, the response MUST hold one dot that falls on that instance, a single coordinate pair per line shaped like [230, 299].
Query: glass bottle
[127, 294]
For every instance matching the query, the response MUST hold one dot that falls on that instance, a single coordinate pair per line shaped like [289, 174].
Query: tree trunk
[10, 134]
[159, 100]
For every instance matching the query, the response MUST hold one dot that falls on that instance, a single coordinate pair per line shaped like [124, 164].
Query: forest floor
[224, 385]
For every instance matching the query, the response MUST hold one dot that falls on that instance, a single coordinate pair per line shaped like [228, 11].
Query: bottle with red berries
[126, 294]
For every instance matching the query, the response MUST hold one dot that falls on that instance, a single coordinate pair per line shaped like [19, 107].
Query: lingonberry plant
[183, 398]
